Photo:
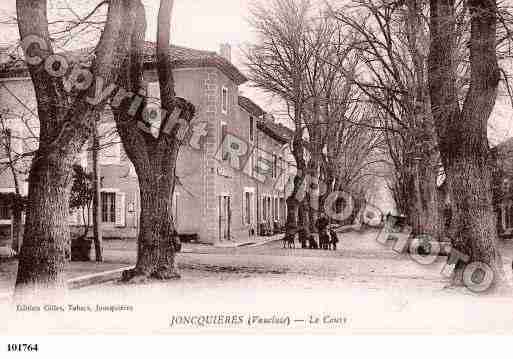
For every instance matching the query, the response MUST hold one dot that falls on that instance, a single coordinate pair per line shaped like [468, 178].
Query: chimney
[225, 50]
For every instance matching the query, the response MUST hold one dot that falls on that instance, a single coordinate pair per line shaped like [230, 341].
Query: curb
[96, 278]
[247, 243]
[258, 244]
[85, 281]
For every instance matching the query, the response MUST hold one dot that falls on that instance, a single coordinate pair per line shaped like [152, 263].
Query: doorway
[225, 217]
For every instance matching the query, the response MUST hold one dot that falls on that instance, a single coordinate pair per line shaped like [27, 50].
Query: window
[248, 203]
[108, 207]
[283, 209]
[224, 100]
[5, 143]
[225, 150]
[269, 208]
[110, 146]
[5, 211]
[251, 129]
[10, 139]
[509, 219]
[275, 165]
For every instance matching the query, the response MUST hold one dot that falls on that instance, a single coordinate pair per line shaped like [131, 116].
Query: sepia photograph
[263, 167]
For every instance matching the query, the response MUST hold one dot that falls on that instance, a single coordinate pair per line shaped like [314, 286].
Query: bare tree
[462, 127]
[278, 64]
[66, 120]
[390, 41]
[154, 159]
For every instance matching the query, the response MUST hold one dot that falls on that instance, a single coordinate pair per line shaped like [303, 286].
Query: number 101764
[22, 347]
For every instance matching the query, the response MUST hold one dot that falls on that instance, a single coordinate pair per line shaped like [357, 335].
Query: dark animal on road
[312, 244]
[321, 224]
[289, 241]
[324, 239]
[334, 239]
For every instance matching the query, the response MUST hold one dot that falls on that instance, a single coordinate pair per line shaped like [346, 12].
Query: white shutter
[120, 209]
[4, 156]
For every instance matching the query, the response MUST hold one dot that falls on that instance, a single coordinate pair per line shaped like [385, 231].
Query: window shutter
[244, 204]
[120, 209]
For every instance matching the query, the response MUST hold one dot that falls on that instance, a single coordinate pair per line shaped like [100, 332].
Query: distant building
[503, 187]
[212, 199]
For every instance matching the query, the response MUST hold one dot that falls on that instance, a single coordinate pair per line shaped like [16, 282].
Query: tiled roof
[250, 106]
[182, 57]
[275, 130]
[265, 122]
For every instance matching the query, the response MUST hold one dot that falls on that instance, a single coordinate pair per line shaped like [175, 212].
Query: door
[225, 219]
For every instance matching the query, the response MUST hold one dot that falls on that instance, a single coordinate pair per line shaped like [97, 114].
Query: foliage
[82, 188]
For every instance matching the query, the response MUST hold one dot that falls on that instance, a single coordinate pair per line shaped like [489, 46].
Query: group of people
[328, 238]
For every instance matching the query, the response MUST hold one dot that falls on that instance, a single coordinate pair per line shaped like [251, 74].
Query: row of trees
[302, 57]
[412, 82]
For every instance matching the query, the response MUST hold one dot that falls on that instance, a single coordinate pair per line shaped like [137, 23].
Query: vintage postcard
[255, 167]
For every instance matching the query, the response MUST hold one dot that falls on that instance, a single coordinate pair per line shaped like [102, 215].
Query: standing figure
[334, 239]
[322, 224]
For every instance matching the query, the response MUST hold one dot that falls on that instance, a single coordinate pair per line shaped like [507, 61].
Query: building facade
[214, 199]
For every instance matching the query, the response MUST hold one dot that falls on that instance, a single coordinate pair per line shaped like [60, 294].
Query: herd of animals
[328, 238]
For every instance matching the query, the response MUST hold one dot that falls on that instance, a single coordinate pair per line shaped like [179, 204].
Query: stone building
[213, 200]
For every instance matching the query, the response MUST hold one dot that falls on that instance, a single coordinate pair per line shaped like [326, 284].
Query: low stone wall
[109, 232]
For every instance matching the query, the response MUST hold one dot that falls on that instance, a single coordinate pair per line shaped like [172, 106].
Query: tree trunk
[295, 215]
[154, 159]
[462, 133]
[292, 213]
[65, 124]
[475, 228]
[46, 238]
[157, 236]
[16, 227]
[423, 205]
[430, 220]
[313, 192]
[304, 219]
[97, 215]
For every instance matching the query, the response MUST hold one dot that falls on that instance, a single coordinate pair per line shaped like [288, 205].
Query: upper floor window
[110, 143]
[5, 145]
[224, 144]
[224, 100]
[275, 165]
[251, 128]
[11, 145]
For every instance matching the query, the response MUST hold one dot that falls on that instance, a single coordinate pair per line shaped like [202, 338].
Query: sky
[205, 24]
